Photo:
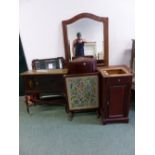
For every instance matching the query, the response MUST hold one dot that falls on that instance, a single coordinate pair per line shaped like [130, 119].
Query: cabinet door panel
[117, 100]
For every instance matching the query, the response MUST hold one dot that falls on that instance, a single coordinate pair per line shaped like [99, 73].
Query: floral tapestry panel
[82, 92]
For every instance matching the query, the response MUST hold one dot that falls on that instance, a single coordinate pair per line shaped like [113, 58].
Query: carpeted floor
[47, 131]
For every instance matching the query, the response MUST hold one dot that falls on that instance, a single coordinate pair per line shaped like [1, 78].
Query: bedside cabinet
[115, 87]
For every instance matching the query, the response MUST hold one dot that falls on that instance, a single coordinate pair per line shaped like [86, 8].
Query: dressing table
[114, 81]
[93, 30]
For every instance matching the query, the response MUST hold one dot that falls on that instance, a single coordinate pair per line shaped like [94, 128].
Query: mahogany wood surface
[115, 97]
[45, 72]
[86, 65]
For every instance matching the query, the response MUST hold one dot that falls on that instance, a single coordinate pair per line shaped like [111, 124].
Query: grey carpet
[47, 131]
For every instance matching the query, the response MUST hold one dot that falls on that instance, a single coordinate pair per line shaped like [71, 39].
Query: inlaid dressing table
[44, 85]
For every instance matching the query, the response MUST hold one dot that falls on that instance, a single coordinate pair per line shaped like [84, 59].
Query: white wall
[41, 29]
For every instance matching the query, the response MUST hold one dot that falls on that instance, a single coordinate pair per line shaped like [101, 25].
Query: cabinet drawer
[82, 67]
[120, 80]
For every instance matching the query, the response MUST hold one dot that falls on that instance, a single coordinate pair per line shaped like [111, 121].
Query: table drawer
[54, 83]
[50, 83]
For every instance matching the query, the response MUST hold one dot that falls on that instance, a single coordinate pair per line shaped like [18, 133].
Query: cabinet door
[117, 102]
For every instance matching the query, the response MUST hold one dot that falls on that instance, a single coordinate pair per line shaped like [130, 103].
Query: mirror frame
[105, 22]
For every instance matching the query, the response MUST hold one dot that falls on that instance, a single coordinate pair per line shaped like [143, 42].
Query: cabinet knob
[84, 64]
[119, 80]
[107, 102]
[37, 83]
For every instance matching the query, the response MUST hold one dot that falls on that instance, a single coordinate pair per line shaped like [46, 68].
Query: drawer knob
[37, 83]
[119, 80]
[84, 64]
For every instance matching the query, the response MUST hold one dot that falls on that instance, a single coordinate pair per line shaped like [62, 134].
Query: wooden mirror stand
[104, 20]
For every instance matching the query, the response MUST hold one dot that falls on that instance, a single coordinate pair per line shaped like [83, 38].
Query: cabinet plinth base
[116, 120]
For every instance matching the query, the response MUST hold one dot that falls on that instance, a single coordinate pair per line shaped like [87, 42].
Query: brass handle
[30, 83]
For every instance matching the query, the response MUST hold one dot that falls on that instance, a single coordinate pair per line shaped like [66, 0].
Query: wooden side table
[115, 88]
[46, 86]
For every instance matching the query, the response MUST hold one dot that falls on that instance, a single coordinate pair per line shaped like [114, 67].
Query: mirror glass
[85, 38]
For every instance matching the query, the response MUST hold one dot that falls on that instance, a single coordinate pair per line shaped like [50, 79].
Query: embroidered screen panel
[82, 92]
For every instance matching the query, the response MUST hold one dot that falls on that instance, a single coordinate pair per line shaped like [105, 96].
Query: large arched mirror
[86, 35]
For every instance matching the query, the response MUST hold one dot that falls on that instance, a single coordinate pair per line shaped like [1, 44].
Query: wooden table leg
[71, 114]
[27, 105]
[98, 113]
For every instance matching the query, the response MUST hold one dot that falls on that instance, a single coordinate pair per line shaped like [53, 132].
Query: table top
[45, 72]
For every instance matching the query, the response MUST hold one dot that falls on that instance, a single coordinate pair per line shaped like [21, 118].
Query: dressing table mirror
[86, 35]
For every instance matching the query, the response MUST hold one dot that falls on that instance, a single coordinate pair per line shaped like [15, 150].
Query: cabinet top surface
[45, 72]
[115, 71]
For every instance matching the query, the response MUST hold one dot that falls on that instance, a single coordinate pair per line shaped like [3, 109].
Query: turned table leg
[71, 114]
[27, 105]
[98, 113]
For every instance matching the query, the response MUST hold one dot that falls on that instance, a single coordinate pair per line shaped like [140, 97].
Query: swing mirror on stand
[86, 35]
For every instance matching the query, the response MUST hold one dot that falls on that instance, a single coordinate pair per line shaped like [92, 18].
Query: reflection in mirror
[85, 38]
